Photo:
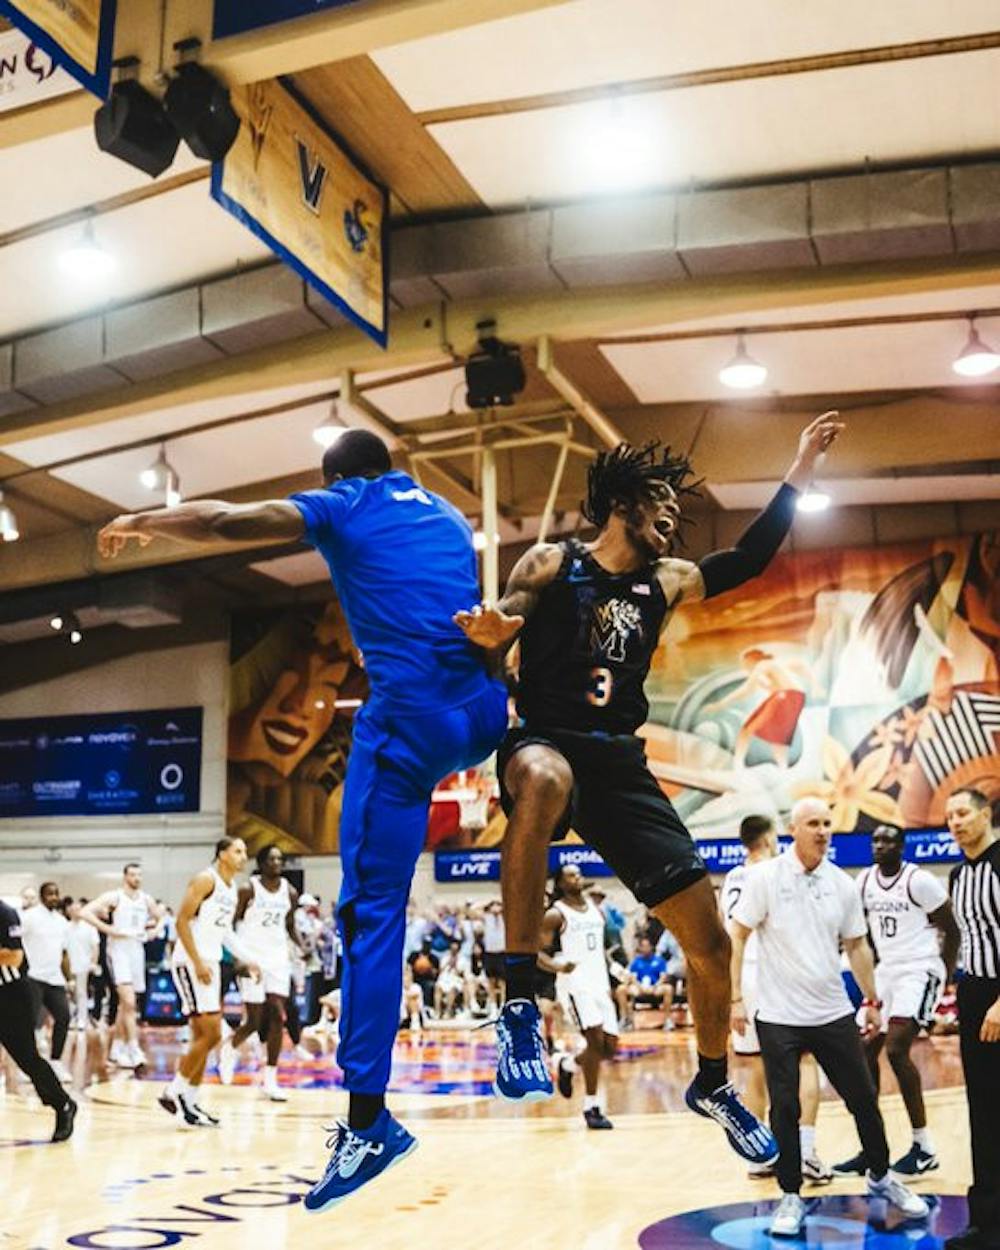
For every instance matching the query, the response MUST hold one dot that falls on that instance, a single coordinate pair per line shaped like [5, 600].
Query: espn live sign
[290, 180]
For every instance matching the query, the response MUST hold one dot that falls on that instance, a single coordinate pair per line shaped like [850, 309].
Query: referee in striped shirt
[17, 1031]
[975, 896]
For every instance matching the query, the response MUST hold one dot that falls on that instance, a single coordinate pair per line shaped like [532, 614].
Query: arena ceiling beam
[285, 48]
[426, 334]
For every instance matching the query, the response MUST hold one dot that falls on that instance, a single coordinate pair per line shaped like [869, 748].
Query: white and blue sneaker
[522, 1062]
[750, 1139]
[357, 1157]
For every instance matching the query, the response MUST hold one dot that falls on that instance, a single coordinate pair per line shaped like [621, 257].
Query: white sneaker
[59, 1068]
[273, 1091]
[892, 1189]
[137, 1055]
[789, 1217]
[304, 1053]
[815, 1170]
[227, 1063]
[120, 1054]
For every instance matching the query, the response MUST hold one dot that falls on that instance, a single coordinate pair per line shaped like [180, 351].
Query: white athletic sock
[922, 1136]
[569, 1063]
[179, 1085]
[807, 1140]
[271, 1075]
[591, 1102]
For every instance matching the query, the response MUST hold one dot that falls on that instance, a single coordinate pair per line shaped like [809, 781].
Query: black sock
[711, 1073]
[519, 975]
[364, 1110]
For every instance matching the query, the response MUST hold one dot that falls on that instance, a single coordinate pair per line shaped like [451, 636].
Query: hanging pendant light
[742, 373]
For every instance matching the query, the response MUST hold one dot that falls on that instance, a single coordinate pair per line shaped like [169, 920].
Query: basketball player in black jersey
[590, 617]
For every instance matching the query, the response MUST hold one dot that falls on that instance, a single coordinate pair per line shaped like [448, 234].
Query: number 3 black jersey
[587, 647]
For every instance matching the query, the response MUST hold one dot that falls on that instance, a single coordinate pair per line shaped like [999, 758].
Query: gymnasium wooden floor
[486, 1175]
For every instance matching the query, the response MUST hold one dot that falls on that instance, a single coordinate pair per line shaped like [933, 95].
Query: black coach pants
[55, 1001]
[838, 1051]
[981, 1066]
[17, 1036]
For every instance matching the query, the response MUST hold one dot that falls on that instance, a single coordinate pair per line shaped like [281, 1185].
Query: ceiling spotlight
[977, 358]
[198, 104]
[813, 501]
[68, 624]
[743, 372]
[173, 491]
[329, 429]
[161, 474]
[86, 259]
[133, 125]
[9, 531]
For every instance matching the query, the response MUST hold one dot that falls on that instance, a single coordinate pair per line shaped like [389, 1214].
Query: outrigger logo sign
[615, 621]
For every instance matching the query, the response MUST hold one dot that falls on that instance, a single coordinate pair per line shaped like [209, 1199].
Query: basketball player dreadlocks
[589, 618]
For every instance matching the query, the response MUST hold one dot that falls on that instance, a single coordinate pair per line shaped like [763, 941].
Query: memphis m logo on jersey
[615, 621]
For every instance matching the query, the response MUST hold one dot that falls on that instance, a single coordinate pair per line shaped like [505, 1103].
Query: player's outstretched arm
[496, 628]
[204, 521]
[757, 546]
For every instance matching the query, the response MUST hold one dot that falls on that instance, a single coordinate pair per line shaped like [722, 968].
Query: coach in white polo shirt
[803, 909]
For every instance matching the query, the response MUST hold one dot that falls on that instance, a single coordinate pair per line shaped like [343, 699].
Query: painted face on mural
[283, 727]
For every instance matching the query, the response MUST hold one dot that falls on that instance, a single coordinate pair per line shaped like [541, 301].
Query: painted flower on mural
[895, 774]
[853, 789]
[886, 734]
[915, 724]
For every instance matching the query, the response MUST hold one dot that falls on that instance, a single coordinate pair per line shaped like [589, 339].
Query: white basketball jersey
[897, 911]
[263, 925]
[582, 942]
[130, 913]
[212, 922]
[733, 885]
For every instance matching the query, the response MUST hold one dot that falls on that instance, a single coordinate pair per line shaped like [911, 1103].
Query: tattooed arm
[494, 629]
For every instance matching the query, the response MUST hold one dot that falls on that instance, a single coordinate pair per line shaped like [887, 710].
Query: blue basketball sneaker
[522, 1063]
[359, 1156]
[750, 1139]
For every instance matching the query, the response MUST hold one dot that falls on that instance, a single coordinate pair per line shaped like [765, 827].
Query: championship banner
[289, 179]
[79, 36]
[233, 17]
[28, 74]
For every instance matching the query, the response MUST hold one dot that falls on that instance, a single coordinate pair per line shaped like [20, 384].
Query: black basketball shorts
[618, 808]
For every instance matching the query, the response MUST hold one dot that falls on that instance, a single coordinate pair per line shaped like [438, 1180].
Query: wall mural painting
[870, 677]
[295, 682]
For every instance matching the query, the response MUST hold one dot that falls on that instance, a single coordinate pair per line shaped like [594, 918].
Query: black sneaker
[970, 1238]
[64, 1121]
[168, 1102]
[596, 1118]
[916, 1162]
[855, 1166]
[184, 1110]
[564, 1079]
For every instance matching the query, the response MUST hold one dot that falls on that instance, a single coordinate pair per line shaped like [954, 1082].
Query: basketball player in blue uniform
[403, 566]
[590, 617]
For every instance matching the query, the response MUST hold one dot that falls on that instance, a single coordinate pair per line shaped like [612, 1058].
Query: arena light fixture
[86, 260]
[9, 530]
[976, 358]
[479, 540]
[161, 475]
[329, 429]
[813, 500]
[68, 625]
[56, 622]
[742, 373]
